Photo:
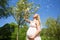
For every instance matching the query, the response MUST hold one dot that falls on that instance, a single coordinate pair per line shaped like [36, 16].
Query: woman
[34, 29]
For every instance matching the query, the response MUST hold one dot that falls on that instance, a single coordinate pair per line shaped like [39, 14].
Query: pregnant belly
[31, 31]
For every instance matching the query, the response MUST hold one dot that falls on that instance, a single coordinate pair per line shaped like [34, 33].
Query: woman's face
[35, 16]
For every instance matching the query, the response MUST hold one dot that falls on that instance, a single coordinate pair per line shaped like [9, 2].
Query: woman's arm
[27, 20]
[38, 28]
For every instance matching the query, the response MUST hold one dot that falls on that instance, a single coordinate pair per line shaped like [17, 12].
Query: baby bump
[31, 31]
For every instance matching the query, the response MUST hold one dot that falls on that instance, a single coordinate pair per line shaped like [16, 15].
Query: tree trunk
[17, 38]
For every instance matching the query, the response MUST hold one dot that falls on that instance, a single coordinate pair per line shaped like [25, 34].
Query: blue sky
[48, 8]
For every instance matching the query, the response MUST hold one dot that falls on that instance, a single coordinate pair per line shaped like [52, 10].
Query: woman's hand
[26, 19]
[32, 37]
[26, 16]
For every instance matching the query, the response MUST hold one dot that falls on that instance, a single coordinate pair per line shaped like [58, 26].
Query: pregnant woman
[33, 32]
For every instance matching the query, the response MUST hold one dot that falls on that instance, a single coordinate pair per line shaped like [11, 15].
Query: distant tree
[8, 31]
[53, 29]
[5, 32]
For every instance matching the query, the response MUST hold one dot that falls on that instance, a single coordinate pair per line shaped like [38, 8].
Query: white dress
[31, 31]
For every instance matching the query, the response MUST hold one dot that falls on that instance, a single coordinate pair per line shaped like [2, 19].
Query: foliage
[9, 32]
[52, 32]
[4, 8]
[22, 33]
[6, 31]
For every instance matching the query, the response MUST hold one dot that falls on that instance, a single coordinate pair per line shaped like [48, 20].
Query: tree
[23, 8]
